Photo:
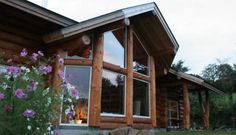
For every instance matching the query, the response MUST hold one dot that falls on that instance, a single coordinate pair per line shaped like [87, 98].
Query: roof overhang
[38, 11]
[195, 80]
[110, 18]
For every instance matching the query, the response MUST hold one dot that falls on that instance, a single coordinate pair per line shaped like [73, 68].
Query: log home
[120, 63]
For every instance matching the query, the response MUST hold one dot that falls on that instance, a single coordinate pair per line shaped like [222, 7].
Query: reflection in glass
[113, 85]
[78, 76]
[140, 98]
[3, 69]
[114, 47]
[81, 52]
[140, 61]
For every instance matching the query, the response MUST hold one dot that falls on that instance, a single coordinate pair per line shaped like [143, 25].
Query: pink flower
[32, 86]
[61, 61]
[29, 113]
[45, 69]
[7, 108]
[73, 92]
[57, 132]
[40, 53]
[1, 96]
[9, 61]
[19, 93]
[13, 70]
[23, 53]
[61, 74]
[35, 56]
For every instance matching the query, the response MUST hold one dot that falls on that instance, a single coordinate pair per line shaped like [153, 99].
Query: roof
[196, 80]
[109, 18]
[39, 11]
[149, 25]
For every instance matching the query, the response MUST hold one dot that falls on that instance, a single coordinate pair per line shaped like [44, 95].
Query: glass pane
[140, 61]
[3, 69]
[80, 77]
[112, 93]
[114, 47]
[140, 98]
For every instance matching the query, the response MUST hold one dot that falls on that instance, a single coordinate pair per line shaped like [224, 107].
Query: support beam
[153, 91]
[56, 81]
[129, 78]
[96, 88]
[204, 108]
[186, 119]
[58, 67]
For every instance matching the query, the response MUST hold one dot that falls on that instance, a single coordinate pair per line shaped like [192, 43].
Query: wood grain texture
[186, 118]
[129, 78]
[96, 88]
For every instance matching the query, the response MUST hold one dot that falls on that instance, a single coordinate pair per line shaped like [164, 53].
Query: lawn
[197, 133]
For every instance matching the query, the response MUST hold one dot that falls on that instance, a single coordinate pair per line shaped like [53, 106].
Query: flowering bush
[27, 104]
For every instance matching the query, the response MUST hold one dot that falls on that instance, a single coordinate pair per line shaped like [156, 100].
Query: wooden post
[57, 67]
[129, 78]
[204, 108]
[96, 87]
[207, 110]
[186, 118]
[56, 81]
[153, 91]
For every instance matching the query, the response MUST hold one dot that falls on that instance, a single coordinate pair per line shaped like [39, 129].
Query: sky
[204, 29]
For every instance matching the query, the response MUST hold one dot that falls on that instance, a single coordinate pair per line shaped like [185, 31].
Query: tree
[179, 66]
[223, 76]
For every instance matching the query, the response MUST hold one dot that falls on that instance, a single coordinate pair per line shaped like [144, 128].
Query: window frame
[149, 100]
[90, 82]
[124, 97]
[148, 55]
[125, 47]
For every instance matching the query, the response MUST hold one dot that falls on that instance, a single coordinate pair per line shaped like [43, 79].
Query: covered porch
[173, 103]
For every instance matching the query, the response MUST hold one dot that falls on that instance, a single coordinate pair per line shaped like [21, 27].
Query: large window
[78, 76]
[140, 98]
[113, 85]
[140, 60]
[114, 50]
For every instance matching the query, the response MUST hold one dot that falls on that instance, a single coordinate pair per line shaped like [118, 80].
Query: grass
[197, 133]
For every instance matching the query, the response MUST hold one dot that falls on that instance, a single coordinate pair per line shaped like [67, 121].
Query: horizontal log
[78, 44]
[82, 62]
[114, 68]
[142, 126]
[141, 77]
[142, 120]
[111, 125]
[113, 119]
[21, 41]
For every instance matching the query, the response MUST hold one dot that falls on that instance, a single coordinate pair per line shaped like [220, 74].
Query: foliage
[223, 76]
[179, 66]
[28, 105]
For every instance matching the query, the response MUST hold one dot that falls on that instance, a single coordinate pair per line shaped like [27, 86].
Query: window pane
[140, 61]
[112, 93]
[140, 98]
[114, 47]
[80, 77]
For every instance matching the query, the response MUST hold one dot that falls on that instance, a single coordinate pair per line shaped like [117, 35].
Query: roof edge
[112, 17]
[196, 80]
[39, 11]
